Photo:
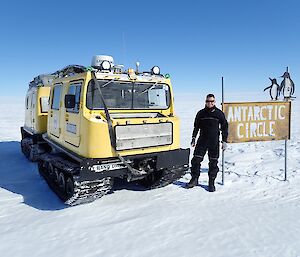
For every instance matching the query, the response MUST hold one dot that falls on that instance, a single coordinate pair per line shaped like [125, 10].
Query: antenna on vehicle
[123, 48]
[137, 64]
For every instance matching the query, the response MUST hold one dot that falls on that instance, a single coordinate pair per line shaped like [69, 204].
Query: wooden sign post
[259, 121]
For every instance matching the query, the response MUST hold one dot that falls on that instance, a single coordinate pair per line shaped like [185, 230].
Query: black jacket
[210, 121]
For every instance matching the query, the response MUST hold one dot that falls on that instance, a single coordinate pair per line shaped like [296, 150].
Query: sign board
[258, 121]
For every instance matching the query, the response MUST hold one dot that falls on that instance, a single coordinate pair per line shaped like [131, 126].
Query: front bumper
[95, 169]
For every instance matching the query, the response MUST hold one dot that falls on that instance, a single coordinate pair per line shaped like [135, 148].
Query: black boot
[193, 182]
[211, 185]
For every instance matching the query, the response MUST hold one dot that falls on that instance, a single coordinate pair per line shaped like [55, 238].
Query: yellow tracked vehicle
[103, 123]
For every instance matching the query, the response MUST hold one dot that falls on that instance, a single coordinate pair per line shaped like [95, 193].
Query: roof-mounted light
[155, 70]
[105, 65]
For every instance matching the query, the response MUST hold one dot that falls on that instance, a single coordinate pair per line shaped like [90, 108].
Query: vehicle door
[55, 110]
[72, 115]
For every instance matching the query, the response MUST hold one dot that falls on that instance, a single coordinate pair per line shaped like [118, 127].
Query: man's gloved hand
[193, 142]
[224, 146]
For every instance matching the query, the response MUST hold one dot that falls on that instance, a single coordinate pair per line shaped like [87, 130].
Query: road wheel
[33, 154]
[69, 187]
[61, 181]
[50, 171]
[55, 174]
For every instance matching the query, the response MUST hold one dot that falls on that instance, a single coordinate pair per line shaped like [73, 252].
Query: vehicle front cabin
[140, 105]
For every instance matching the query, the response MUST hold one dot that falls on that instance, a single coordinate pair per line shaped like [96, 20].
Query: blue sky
[197, 42]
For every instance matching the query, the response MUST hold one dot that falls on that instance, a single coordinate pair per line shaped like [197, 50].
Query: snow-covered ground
[256, 213]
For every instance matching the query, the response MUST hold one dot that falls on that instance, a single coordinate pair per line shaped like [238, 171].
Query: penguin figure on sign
[287, 86]
[274, 89]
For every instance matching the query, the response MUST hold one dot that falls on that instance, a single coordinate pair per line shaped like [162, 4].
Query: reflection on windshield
[128, 95]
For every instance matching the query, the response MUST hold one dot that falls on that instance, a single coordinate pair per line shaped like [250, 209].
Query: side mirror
[70, 101]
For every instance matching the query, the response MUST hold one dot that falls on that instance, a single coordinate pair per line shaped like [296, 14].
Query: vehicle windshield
[128, 95]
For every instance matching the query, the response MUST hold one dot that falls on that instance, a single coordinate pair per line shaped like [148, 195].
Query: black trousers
[212, 147]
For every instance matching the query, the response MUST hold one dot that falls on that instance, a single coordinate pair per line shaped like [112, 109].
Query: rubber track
[89, 191]
[169, 177]
[84, 192]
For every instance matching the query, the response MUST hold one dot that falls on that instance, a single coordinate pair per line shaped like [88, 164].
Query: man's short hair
[210, 95]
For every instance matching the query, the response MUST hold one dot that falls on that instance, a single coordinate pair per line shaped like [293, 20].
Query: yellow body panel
[35, 119]
[91, 139]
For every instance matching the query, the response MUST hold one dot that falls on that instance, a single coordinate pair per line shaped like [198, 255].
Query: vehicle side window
[75, 89]
[27, 102]
[44, 102]
[56, 97]
[33, 100]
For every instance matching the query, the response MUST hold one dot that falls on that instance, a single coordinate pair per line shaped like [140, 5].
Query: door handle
[67, 117]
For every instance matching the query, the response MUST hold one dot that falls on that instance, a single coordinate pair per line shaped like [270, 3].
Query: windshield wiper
[148, 88]
[104, 85]
[107, 83]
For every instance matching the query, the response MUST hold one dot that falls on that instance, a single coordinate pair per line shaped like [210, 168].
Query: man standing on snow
[209, 121]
